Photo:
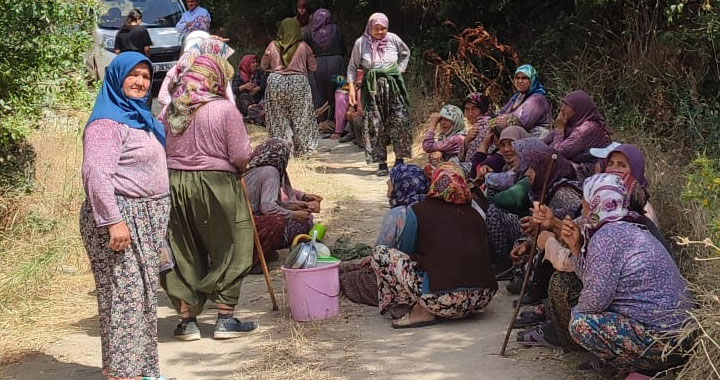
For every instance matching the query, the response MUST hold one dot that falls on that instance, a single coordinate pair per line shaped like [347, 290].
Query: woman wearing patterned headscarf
[633, 293]
[444, 137]
[290, 114]
[384, 57]
[210, 228]
[442, 268]
[477, 111]
[528, 107]
[407, 186]
[124, 219]
[196, 43]
[280, 212]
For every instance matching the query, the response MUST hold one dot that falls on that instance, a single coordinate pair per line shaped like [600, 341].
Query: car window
[156, 13]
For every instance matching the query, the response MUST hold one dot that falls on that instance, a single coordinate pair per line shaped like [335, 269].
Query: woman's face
[137, 83]
[302, 9]
[567, 111]
[472, 112]
[137, 22]
[522, 83]
[618, 163]
[445, 125]
[378, 32]
[254, 66]
[507, 150]
[192, 4]
[389, 188]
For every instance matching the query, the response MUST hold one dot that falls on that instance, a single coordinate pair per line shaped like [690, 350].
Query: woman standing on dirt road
[125, 216]
[290, 114]
[210, 228]
[384, 57]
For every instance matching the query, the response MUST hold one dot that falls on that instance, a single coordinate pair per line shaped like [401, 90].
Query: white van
[159, 17]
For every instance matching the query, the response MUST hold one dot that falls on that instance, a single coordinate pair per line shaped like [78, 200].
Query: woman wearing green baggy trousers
[210, 228]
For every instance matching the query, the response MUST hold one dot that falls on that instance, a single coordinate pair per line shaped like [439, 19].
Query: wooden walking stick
[261, 254]
[531, 259]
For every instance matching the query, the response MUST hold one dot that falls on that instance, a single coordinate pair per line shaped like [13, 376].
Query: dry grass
[44, 277]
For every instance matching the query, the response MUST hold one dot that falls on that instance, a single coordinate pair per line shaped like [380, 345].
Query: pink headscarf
[377, 46]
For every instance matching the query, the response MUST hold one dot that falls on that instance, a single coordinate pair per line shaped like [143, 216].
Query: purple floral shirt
[534, 112]
[575, 143]
[627, 271]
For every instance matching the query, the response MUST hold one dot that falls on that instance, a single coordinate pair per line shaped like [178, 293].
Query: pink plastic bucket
[313, 293]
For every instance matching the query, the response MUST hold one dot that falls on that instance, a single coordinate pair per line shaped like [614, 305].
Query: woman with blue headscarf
[528, 107]
[125, 216]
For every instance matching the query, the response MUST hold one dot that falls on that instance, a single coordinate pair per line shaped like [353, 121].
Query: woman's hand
[560, 121]
[484, 170]
[313, 206]
[571, 235]
[352, 94]
[119, 236]
[543, 239]
[365, 261]
[527, 226]
[501, 121]
[433, 121]
[301, 216]
[471, 134]
[519, 251]
[543, 216]
[487, 141]
[313, 197]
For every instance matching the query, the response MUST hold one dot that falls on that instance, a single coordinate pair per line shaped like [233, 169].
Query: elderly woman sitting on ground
[280, 212]
[442, 268]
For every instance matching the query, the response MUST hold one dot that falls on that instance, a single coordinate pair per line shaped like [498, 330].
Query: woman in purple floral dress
[633, 292]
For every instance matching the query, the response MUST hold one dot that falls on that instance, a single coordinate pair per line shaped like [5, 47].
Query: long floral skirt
[386, 121]
[503, 229]
[127, 284]
[620, 341]
[400, 286]
[289, 112]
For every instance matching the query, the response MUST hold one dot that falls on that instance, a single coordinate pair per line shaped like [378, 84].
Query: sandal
[404, 322]
[529, 319]
[537, 337]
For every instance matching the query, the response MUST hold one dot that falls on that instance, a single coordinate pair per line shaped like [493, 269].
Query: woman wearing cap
[444, 137]
[579, 127]
[442, 268]
[384, 57]
[528, 107]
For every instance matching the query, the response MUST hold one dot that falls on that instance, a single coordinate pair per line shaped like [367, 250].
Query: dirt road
[358, 345]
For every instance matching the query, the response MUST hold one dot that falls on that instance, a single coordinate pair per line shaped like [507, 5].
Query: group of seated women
[604, 279]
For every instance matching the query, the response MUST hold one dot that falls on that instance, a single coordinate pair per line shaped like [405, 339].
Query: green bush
[41, 66]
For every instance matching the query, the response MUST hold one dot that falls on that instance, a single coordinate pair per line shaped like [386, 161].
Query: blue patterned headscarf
[113, 104]
[410, 185]
[536, 87]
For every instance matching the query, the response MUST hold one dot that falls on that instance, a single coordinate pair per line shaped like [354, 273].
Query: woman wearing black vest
[442, 268]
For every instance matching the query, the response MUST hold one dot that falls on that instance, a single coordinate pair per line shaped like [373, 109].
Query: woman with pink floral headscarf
[384, 57]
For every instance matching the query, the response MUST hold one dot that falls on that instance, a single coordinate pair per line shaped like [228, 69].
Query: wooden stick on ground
[261, 254]
[531, 259]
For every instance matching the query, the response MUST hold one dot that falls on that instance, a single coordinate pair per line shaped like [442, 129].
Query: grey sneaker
[187, 331]
[232, 328]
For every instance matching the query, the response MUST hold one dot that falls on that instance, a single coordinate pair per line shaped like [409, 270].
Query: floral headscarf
[607, 198]
[449, 183]
[536, 87]
[377, 47]
[196, 49]
[410, 185]
[274, 152]
[455, 115]
[204, 82]
[288, 39]
[535, 154]
[479, 100]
